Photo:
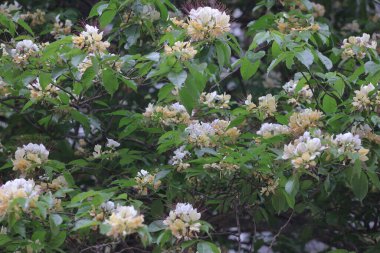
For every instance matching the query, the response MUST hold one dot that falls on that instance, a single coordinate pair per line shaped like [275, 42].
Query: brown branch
[279, 232]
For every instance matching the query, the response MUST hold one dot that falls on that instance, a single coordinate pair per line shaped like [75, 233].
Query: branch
[279, 232]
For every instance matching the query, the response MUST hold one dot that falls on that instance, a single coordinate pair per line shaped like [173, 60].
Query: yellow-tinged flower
[183, 222]
[182, 50]
[28, 156]
[123, 221]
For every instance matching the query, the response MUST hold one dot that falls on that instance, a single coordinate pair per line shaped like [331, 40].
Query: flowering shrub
[156, 126]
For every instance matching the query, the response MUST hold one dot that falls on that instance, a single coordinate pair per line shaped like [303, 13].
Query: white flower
[108, 206]
[8, 8]
[18, 188]
[61, 28]
[36, 91]
[349, 143]
[205, 134]
[28, 155]
[184, 221]
[214, 100]
[91, 40]
[97, 151]
[356, 46]
[268, 130]
[168, 115]
[305, 94]
[145, 179]
[183, 50]
[177, 159]
[303, 151]
[23, 51]
[267, 105]
[124, 220]
[206, 22]
[249, 104]
[112, 143]
[362, 101]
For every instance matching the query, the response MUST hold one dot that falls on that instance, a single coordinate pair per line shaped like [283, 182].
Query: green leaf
[305, 57]
[248, 69]
[164, 237]
[27, 105]
[329, 104]
[156, 226]
[56, 218]
[110, 81]
[292, 186]
[279, 201]
[223, 53]
[84, 223]
[360, 186]
[4, 239]
[58, 240]
[97, 9]
[178, 79]
[24, 25]
[207, 247]
[81, 118]
[163, 10]
[82, 196]
[107, 16]
[45, 79]
[325, 60]
[194, 85]
[374, 178]
[276, 61]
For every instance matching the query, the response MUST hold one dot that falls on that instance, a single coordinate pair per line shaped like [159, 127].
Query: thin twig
[279, 232]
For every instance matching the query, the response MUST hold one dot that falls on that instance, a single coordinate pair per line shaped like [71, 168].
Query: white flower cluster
[7, 8]
[318, 10]
[305, 94]
[205, 23]
[18, 188]
[363, 100]
[91, 40]
[357, 46]
[249, 104]
[107, 58]
[365, 132]
[182, 50]
[4, 90]
[267, 105]
[213, 100]
[23, 51]
[36, 91]
[145, 179]
[173, 114]
[29, 156]
[269, 130]
[205, 134]
[108, 206]
[36, 18]
[177, 159]
[303, 151]
[56, 184]
[123, 221]
[222, 166]
[183, 222]
[348, 143]
[60, 28]
[299, 122]
[111, 145]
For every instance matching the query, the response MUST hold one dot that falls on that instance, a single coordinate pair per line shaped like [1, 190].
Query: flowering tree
[152, 126]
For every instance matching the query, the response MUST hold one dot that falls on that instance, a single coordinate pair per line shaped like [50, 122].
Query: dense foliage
[159, 126]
